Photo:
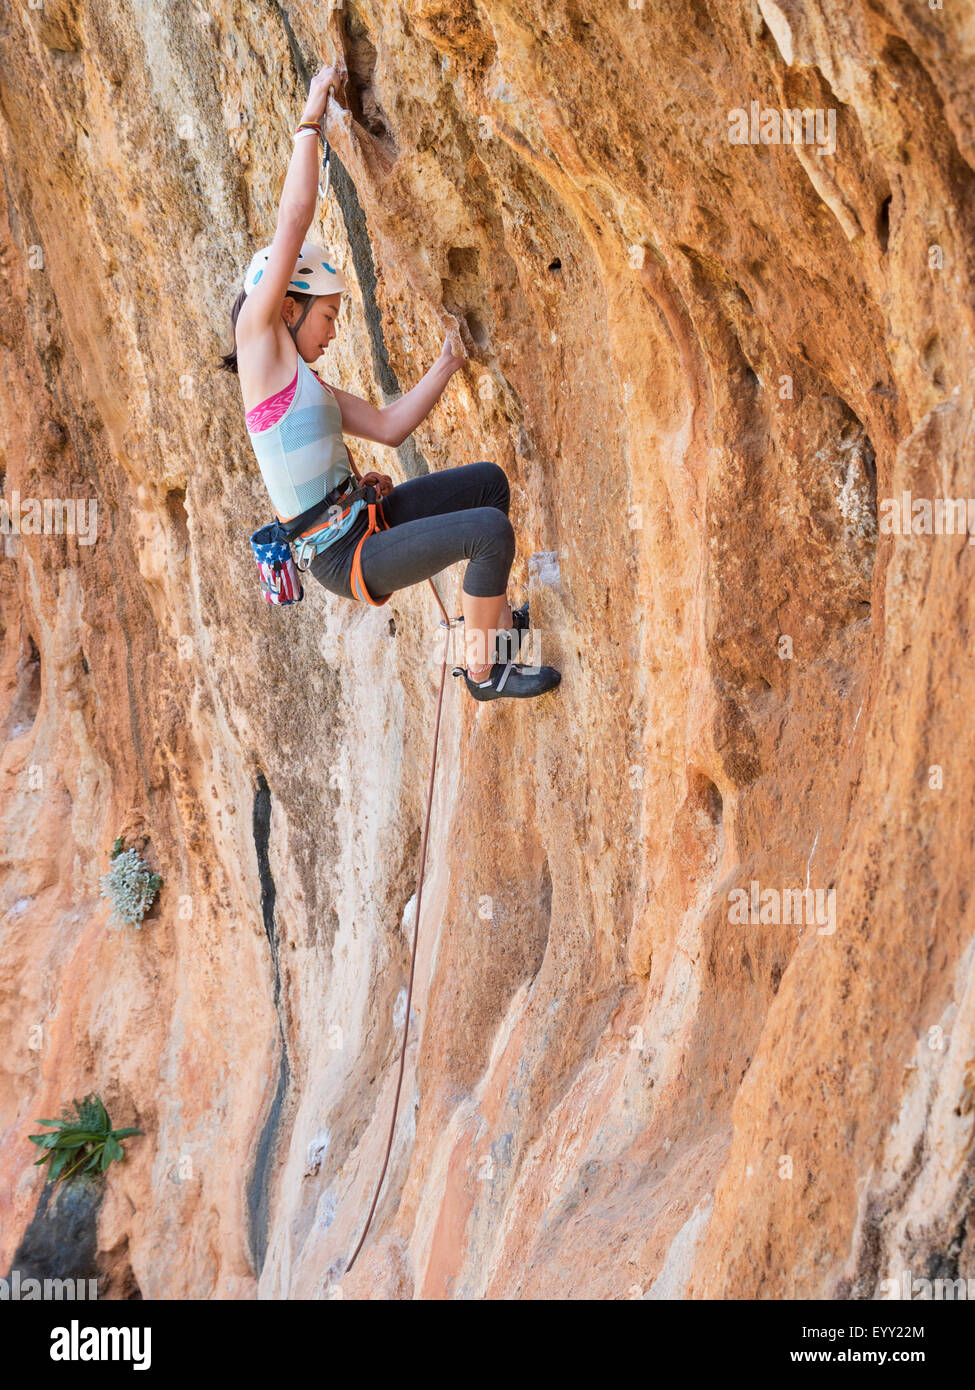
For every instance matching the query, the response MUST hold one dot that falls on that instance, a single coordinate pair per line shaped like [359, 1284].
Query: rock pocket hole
[699, 829]
[477, 331]
[361, 58]
[176, 510]
[705, 795]
[463, 261]
[743, 298]
[932, 360]
[883, 223]
[27, 700]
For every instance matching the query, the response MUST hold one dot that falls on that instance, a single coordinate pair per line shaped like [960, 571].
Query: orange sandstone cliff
[710, 360]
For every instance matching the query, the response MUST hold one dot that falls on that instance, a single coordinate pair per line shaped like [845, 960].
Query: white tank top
[301, 456]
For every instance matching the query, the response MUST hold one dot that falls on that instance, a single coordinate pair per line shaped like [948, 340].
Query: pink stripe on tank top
[263, 416]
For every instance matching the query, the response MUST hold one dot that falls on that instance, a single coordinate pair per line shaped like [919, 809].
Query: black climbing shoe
[510, 682]
[508, 644]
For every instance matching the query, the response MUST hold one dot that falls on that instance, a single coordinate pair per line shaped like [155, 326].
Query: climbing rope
[444, 623]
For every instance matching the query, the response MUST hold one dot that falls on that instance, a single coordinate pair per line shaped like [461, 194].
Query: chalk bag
[279, 578]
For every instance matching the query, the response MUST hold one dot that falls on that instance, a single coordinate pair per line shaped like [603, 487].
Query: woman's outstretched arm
[299, 198]
[391, 424]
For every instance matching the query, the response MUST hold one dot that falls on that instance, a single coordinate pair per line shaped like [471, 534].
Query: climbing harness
[342, 500]
[377, 521]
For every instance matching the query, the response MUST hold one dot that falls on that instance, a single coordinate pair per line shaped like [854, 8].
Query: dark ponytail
[228, 360]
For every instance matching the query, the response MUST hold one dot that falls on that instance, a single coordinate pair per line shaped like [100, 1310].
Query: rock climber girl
[296, 423]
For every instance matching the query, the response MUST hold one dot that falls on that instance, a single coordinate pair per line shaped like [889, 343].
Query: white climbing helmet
[314, 272]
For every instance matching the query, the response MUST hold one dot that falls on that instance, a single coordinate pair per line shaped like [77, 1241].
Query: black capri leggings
[436, 520]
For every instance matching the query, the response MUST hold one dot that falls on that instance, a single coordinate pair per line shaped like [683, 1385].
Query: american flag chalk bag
[280, 582]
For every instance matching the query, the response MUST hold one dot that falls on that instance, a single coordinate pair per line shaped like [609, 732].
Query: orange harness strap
[356, 581]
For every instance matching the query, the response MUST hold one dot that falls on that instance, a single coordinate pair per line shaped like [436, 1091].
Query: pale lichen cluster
[131, 886]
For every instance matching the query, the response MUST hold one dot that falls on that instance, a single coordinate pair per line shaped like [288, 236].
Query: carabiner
[300, 554]
[323, 192]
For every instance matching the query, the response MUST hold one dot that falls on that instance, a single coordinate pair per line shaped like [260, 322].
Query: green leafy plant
[83, 1139]
[130, 885]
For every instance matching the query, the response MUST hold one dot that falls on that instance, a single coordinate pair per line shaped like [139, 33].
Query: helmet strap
[293, 328]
